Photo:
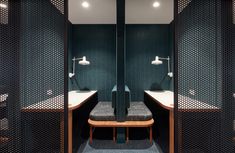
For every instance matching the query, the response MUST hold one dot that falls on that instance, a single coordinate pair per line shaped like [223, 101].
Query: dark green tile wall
[98, 44]
[70, 49]
[172, 53]
[143, 43]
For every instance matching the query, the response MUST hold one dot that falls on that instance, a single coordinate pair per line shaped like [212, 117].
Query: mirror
[149, 34]
[149, 60]
[92, 34]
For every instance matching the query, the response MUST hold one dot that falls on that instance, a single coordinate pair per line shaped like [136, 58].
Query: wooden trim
[171, 131]
[114, 134]
[127, 134]
[61, 132]
[151, 134]
[121, 124]
[126, 124]
[90, 140]
[70, 131]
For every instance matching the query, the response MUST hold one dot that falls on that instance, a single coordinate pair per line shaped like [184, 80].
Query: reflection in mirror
[149, 62]
[149, 34]
[91, 62]
[92, 34]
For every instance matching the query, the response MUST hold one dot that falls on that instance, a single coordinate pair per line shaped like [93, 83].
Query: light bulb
[156, 4]
[3, 5]
[85, 4]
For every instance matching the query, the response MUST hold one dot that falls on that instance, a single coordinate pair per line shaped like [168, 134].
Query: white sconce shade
[81, 61]
[170, 74]
[84, 61]
[156, 61]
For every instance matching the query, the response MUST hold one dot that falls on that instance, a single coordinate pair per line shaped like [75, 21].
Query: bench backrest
[127, 96]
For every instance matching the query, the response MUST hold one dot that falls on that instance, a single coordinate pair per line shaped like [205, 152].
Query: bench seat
[138, 115]
[138, 111]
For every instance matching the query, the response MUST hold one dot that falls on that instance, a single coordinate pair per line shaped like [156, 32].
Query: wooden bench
[126, 124]
[138, 115]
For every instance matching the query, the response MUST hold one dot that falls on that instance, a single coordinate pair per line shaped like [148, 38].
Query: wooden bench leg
[127, 134]
[127, 125]
[151, 134]
[91, 134]
[114, 134]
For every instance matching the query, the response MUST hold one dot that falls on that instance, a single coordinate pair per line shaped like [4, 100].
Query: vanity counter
[56, 104]
[185, 104]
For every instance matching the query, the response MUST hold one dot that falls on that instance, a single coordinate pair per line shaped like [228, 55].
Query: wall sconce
[158, 61]
[81, 61]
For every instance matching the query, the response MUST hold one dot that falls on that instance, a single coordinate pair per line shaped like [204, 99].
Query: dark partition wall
[32, 35]
[9, 78]
[120, 68]
[233, 70]
[203, 80]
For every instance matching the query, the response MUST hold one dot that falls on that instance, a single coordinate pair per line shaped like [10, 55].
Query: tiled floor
[102, 142]
[108, 146]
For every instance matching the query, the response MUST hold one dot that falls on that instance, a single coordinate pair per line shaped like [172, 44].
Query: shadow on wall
[75, 85]
[158, 85]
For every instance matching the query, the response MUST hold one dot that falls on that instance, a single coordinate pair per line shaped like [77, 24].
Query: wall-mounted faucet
[81, 61]
[158, 61]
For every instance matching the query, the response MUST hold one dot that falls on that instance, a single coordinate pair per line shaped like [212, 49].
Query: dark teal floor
[108, 146]
[102, 142]
[139, 143]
